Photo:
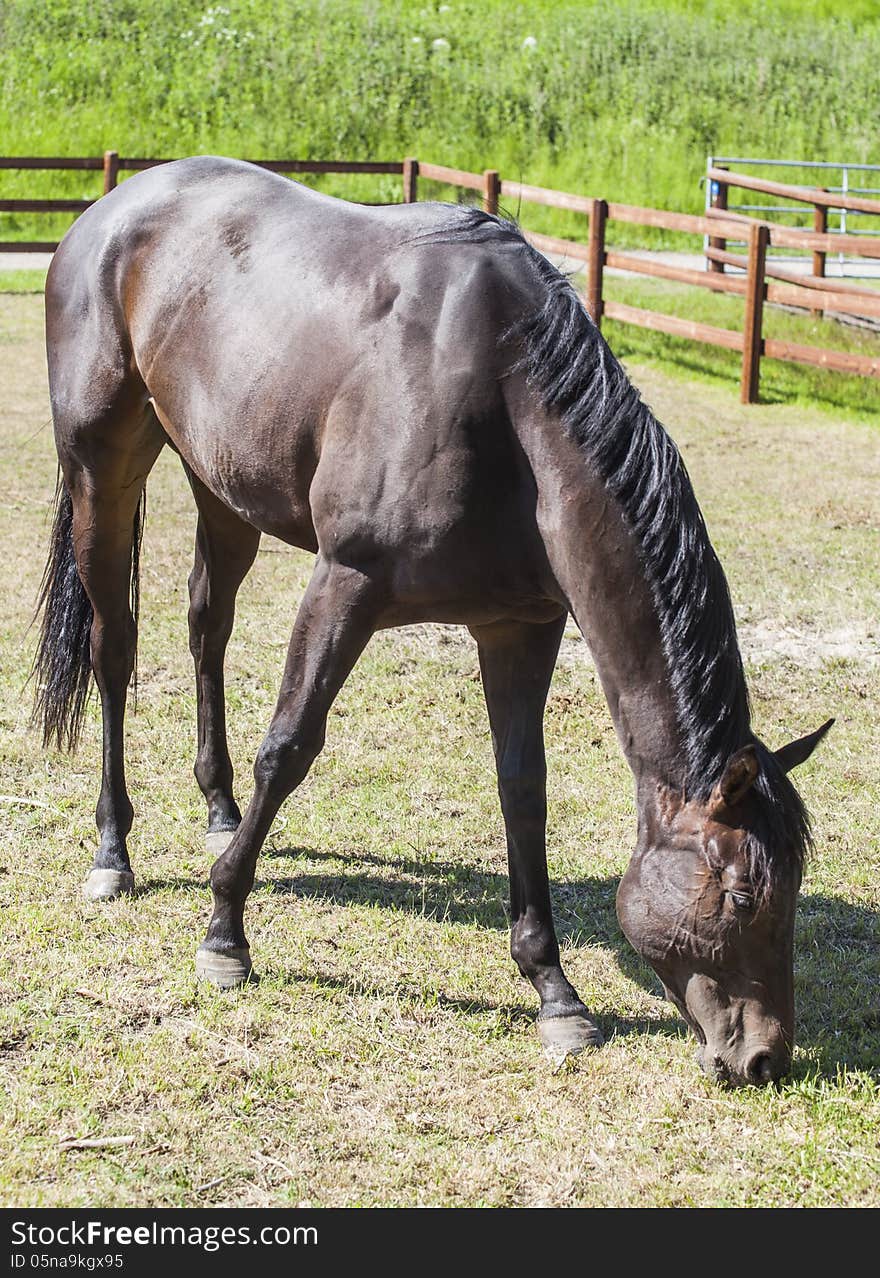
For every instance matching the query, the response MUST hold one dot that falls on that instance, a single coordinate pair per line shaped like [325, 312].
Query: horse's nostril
[760, 1069]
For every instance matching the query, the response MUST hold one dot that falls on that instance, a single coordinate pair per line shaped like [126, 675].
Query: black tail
[62, 665]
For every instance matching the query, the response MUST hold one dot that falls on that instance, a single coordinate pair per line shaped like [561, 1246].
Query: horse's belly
[263, 476]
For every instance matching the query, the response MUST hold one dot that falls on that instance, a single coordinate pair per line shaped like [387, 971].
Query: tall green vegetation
[620, 99]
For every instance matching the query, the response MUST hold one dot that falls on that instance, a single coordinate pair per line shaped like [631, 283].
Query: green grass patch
[23, 281]
[622, 101]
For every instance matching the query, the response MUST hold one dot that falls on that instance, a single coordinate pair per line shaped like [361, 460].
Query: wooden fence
[819, 199]
[756, 286]
[761, 281]
[111, 165]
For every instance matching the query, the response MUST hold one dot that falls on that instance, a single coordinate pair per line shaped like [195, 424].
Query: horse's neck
[612, 604]
[595, 560]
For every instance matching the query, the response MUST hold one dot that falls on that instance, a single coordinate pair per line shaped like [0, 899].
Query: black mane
[568, 361]
[569, 364]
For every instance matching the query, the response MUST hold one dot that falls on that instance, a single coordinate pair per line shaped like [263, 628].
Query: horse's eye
[742, 901]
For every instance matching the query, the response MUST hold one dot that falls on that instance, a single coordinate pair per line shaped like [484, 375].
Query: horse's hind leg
[516, 661]
[106, 481]
[335, 621]
[225, 550]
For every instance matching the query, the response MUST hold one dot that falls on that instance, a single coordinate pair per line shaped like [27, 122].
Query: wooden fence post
[820, 224]
[491, 190]
[759, 237]
[719, 201]
[410, 180]
[111, 170]
[596, 259]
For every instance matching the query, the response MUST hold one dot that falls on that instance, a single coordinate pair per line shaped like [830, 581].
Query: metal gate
[844, 179]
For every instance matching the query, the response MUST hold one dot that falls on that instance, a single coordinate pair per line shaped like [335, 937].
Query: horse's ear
[738, 777]
[797, 752]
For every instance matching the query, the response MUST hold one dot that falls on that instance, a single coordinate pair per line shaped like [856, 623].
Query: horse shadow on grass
[837, 944]
[459, 893]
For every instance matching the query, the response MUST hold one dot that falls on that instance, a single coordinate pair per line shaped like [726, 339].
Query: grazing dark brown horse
[419, 398]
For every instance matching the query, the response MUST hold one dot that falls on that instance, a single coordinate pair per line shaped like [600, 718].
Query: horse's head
[709, 900]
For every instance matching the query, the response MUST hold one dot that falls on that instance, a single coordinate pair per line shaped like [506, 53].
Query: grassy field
[619, 100]
[388, 1056]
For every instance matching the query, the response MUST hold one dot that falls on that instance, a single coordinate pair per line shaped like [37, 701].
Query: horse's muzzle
[757, 1067]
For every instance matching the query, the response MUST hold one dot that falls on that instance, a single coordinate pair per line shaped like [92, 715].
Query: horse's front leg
[517, 660]
[335, 621]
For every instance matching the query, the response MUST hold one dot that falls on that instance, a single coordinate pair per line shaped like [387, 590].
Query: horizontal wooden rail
[789, 237]
[329, 166]
[834, 294]
[815, 241]
[726, 337]
[805, 194]
[859, 246]
[45, 206]
[453, 177]
[668, 221]
[830, 300]
[563, 248]
[132, 164]
[839, 361]
[543, 195]
[51, 162]
[28, 246]
[660, 218]
[820, 282]
[682, 274]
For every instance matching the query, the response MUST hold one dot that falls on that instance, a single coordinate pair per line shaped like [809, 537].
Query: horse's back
[239, 220]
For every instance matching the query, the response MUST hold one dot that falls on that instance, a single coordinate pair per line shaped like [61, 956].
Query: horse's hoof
[217, 841]
[107, 885]
[563, 1036]
[224, 968]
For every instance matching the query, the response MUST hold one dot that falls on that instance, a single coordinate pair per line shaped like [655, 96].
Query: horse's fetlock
[534, 948]
[114, 814]
[213, 772]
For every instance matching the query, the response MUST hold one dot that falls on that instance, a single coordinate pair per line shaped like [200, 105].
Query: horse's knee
[284, 759]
